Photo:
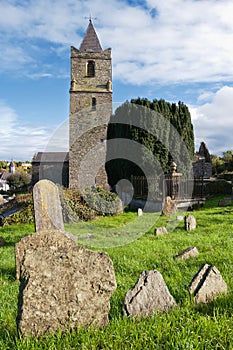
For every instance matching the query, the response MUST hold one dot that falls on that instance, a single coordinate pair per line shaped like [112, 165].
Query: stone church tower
[90, 110]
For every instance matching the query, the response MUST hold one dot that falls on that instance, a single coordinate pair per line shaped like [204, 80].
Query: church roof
[90, 42]
[51, 157]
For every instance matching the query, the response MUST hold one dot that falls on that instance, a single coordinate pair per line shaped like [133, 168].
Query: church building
[90, 111]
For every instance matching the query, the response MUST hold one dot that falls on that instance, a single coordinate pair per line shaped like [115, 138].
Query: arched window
[91, 69]
[93, 103]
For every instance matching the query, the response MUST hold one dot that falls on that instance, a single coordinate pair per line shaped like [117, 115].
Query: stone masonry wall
[88, 123]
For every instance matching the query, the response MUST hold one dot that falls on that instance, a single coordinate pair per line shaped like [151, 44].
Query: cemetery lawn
[187, 326]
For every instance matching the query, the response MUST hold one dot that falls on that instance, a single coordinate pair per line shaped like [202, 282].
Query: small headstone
[224, 202]
[2, 201]
[190, 252]
[149, 294]
[47, 206]
[160, 231]
[140, 212]
[169, 207]
[190, 223]
[62, 285]
[207, 284]
[179, 218]
[2, 242]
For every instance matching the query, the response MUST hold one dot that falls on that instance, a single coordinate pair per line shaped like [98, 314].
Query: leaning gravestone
[47, 206]
[190, 223]
[207, 284]
[62, 285]
[149, 294]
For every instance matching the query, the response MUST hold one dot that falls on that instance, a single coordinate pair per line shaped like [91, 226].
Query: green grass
[188, 326]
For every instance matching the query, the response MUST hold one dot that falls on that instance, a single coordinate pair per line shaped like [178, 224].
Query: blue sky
[176, 50]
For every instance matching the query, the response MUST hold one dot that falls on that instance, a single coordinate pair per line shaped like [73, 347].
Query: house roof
[90, 42]
[51, 157]
[4, 176]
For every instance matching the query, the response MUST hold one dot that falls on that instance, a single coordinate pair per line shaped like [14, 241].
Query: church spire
[90, 42]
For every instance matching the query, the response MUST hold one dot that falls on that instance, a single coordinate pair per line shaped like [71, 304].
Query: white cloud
[213, 121]
[19, 141]
[187, 40]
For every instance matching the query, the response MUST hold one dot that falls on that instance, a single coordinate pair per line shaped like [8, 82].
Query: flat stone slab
[47, 206]
[190, 252]
[207, 284]
[149, 294]
[62, 285]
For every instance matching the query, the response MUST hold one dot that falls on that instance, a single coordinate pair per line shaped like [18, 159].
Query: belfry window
[93, 103]
[91, 69]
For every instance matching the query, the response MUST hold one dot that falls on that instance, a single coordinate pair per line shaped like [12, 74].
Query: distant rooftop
[51, 157]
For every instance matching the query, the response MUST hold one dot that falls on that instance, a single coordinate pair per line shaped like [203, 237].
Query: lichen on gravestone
[47, 206]
[62, 284]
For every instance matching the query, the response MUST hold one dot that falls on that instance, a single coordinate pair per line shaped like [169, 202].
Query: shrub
[87, 206]
[24, 203]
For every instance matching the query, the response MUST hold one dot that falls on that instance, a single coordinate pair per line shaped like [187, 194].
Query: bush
[87, 206]
[25, 214]
[18, 180]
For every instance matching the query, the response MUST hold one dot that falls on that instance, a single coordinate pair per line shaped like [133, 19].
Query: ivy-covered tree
[163, 130]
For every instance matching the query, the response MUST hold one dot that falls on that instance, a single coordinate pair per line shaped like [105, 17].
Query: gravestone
[2, 242]
[2, 201]
[224, 202]
[190, 252]
[62, 285]
[207, 284]
[160, 231]
[140, 212]
[169, 207]
[47, 206]
[149, 294]
[190, 223]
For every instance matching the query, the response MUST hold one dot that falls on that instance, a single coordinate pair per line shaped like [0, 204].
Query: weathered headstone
[224, 202]
[2, 242]
[190, 223]
[190, 252]
[160, 231]
[207, 284]
[2, 201]
[169, 207]
[62, 285]
[149, 294]
[140, 212]
[47, 206]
